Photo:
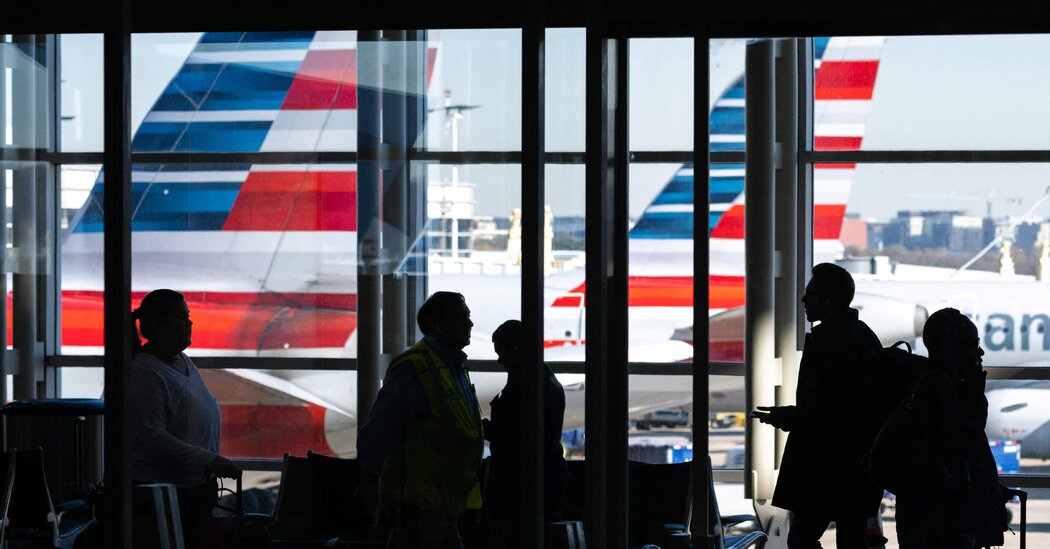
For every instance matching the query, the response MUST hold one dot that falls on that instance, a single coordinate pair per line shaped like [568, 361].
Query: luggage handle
[238, 497]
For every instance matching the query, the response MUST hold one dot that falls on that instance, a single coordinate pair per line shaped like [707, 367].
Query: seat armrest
[732, 520]
[70, 505]
[259, 518]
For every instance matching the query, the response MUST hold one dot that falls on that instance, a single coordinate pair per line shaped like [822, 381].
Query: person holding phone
[834, 415]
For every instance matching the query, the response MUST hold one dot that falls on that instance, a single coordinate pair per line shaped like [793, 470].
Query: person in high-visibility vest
[422, 443]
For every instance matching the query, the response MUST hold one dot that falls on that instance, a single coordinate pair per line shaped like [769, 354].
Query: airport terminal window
[565, 107]
[924, 84]
[925, 229]
[81, 92]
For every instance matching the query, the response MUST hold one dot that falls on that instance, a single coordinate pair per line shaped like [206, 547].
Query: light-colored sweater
[174, 422]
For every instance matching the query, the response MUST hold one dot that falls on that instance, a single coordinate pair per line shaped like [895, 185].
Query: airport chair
[157, 522]
[32, 515]
[312, 504]
[659, 502]
[293, 513]
[717, 524]
[575, 494]
[7, 464]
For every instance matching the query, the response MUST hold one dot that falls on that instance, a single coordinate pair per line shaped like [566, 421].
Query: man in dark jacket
[833, 421]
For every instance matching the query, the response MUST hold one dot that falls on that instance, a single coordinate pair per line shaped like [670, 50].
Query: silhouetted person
[503, 433]
[831, 424]
[422, 442]
[956, 503]
[175, 419]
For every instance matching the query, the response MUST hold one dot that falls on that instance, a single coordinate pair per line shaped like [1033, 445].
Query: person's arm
[150, 434]
[400, 401]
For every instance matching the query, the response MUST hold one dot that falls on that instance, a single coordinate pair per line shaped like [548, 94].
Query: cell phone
[756, 414]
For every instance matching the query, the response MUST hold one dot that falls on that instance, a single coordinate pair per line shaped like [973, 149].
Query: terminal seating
[30, 515]
[659, 497]
[157, 522]
[660, 505]
[717, 524]
[313, 503]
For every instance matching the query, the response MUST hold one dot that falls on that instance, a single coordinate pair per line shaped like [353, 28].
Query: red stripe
[327, 79]
[846, 166]
[295, 201]
[731, 225]
[827, 221]
[337, 302]
[262, 431]
[725, 292]
[726, 351]
[836, 143]
[845, 79]
[236, 325]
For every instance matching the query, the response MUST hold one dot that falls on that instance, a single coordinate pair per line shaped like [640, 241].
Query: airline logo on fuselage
[1001, 332]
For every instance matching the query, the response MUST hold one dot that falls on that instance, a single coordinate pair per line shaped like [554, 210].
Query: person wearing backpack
[833, 422]
[956, 500]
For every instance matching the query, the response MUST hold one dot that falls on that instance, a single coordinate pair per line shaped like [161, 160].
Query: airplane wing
[264, 416]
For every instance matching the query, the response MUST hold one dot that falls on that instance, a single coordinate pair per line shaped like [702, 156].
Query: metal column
[531, 434]
[416, 191]
[396, 94]
[786, 223]
[702, 538]
[29, 128]
[605, 520]
[117, 244]
[369, 181]
[762, 371]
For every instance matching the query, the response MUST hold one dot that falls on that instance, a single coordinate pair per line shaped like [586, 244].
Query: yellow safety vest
[435, 467]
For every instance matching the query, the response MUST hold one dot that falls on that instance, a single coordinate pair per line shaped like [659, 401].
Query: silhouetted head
[830, 291]
[952, 339]
[164, 320]
[445, 317]
[506, 341]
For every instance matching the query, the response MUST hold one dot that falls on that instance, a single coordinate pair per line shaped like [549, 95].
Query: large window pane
[81, 92]
[935, 92]
[565, 82]
[483, 204]
[475, 90]
[661, 94]
[971, 236]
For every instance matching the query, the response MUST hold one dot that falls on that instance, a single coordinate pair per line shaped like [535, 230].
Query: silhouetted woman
[503, 433]
[957, 505]
[174, 418]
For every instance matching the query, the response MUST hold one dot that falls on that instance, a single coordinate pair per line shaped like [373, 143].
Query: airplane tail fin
[846, 68]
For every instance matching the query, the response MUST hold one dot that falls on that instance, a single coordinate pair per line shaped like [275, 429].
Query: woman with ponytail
[175, 419]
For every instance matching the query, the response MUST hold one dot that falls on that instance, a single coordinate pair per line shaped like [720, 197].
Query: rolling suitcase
[1023, 497]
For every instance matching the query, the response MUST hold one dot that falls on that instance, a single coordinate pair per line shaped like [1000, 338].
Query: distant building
[931, 229]
[854, 232]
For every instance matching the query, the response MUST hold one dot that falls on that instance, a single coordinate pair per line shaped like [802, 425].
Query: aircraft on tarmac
[266, 254]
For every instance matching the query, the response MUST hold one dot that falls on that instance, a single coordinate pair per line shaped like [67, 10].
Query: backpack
[900, 457]
[896, 368]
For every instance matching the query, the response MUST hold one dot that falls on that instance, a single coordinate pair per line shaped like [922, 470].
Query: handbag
[233, 532]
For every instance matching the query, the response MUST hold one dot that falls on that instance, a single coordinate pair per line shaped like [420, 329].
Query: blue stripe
[727, 146]
[157, 137]
[728, 120]
[736, 91]
[197, 206]
[820, 44]
[200, 137]
[677, 225]
[733, 185]
[290, 39]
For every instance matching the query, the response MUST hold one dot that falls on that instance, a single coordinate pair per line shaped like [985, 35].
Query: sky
[931, 92]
